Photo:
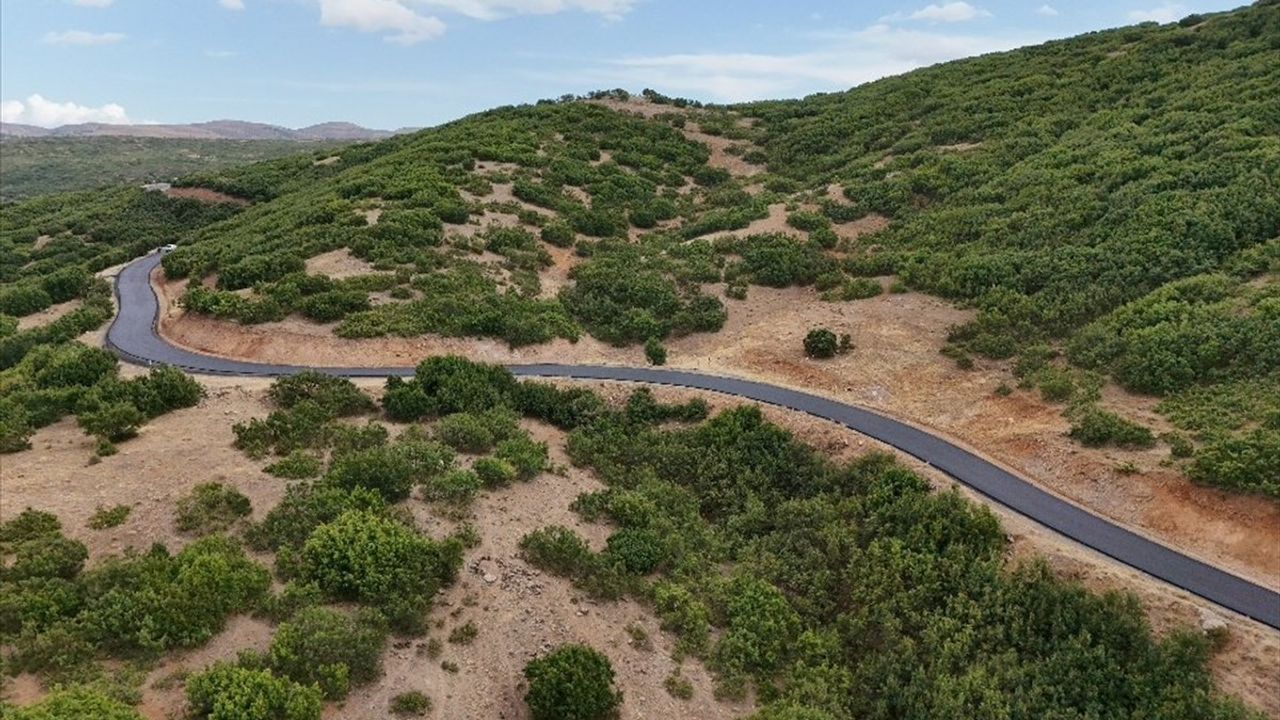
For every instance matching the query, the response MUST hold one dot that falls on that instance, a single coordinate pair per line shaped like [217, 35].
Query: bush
[227, 692]
[76, 703]
[456, 487]
[1096, 428]
[114, 422]
[297, 465]
[821, 343]
[638, 551]
[305, 507]
[47, 556]
[383, 469]
[339, 397]
[654, 352]
[494, 472]
[1247, 463]
[210, 508]
[410, 703]
[164, 389]
[104, 518]
[464, 634]
[527, 456]
[559, 550]
[331, 649]
[368, 558]
[476, 432]
[573, 682]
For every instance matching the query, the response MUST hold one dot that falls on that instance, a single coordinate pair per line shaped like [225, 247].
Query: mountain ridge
[210, 130]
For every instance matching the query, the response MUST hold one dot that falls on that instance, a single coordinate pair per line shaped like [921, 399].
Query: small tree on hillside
[573, 682]
[821, 343]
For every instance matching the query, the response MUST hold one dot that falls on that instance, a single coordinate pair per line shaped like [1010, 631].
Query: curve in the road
[133, 335]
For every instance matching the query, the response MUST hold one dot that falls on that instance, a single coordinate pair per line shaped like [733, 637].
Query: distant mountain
[214, 130]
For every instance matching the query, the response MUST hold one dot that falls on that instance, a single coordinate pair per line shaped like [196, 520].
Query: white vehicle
[164, 249]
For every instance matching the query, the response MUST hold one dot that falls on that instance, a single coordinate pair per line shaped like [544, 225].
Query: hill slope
[1114, 198]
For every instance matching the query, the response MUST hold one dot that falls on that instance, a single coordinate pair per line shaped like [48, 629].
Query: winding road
[133, 336]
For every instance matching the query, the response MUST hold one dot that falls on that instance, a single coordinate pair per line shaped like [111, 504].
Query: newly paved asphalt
[133, 336]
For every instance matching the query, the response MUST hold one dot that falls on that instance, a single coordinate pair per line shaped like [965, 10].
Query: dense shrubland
[834, 590]
[1118, 192]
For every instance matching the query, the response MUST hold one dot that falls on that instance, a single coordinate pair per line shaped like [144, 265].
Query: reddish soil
[205, 195]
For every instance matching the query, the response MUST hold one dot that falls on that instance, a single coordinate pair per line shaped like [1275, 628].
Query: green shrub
[157, 601]
[1096, 428]
[761, 630]
[1179, 445]
[821, 343]
[559, 550]
[328, 648]
[30, 524]
[227, 692]
[638, 551]
[209, 508]
[527, 456]
[75, 703]
[297, 465]
[572, 682]
[684, 614]
[1056, 385]
[456, 487]
[654, 352]
[1246, 463]
[383, 469]
[477, 432]
[494, 472]
[412, 703]
[114, 423]
[305, 507]
[339, 397]
[807, 221]
[368, 558]
[558, 233]
[292, 598]
[47, 556]
[104, 518]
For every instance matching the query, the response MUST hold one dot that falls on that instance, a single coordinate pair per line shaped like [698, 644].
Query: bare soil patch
[204, 195]
[865, 225]
[48, 315]
[338, 263]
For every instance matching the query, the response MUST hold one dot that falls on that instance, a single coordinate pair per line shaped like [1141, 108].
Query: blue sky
[394, 63]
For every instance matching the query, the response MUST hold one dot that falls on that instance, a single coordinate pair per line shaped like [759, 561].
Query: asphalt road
[133, 336]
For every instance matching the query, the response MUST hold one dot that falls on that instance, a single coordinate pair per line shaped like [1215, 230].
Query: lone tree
[820, 343]
[573, 682]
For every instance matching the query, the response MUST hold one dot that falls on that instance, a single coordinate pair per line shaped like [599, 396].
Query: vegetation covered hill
[39, 166]
[1109, 200]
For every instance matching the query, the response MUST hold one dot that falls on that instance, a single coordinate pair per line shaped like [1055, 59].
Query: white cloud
[403, 25]
[47, 113]
[840, 60]
[1166, 13]
[92, 3]
[232, 4]
[1047, 11]
[82, 37]
[495, 9]
[221, 54]
[950, 12]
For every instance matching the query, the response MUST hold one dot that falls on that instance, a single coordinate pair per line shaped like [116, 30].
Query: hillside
[1065, 257]
[43, 165]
